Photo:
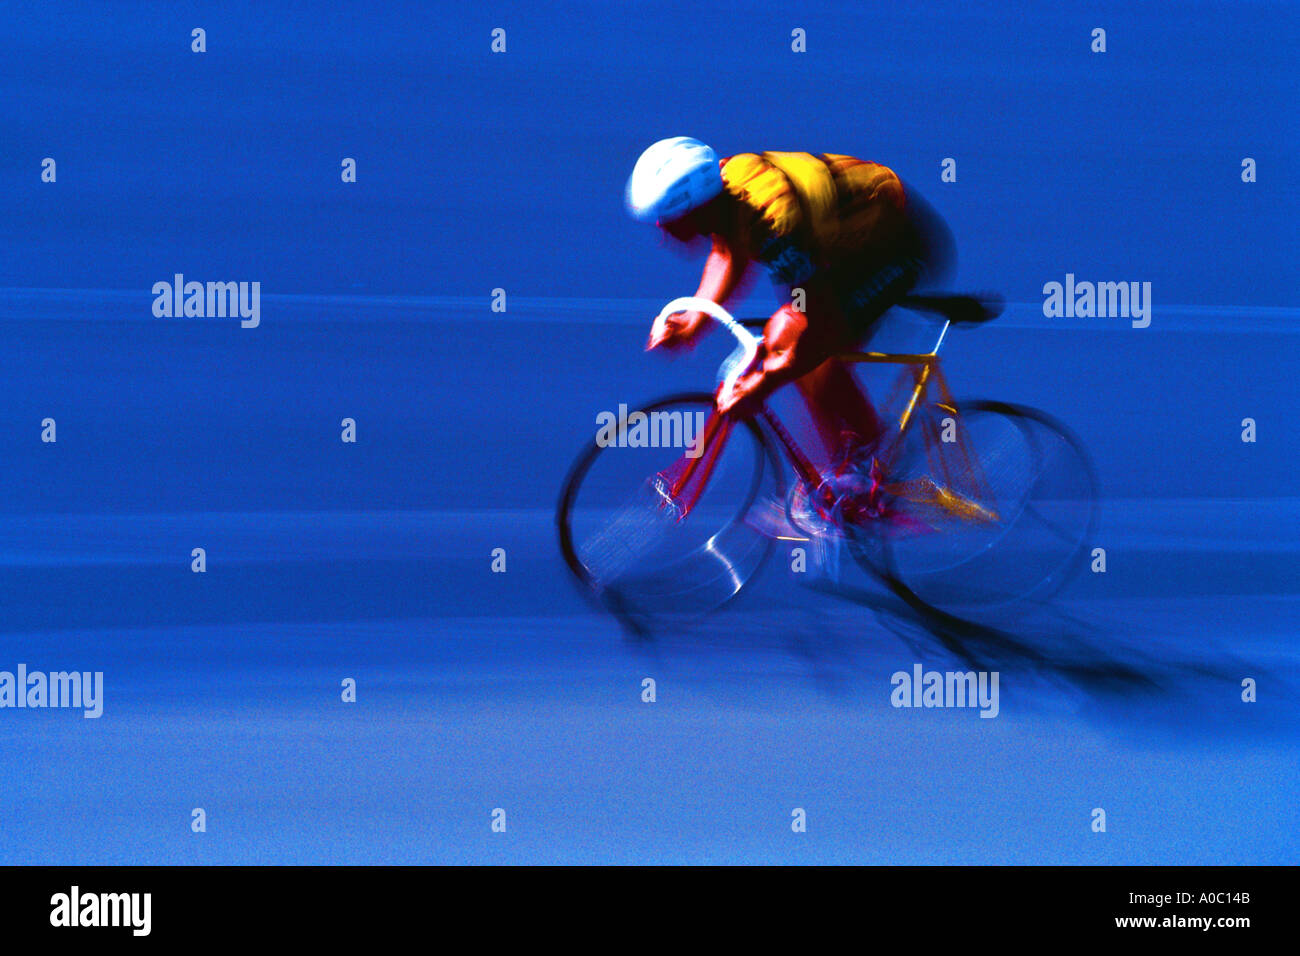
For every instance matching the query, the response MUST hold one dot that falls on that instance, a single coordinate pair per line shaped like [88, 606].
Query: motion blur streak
[372, 560]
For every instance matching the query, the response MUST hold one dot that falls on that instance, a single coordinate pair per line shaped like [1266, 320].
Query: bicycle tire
[617, 602]
[879, 554]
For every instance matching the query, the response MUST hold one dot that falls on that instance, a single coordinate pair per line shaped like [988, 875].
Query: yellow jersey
[803, 213]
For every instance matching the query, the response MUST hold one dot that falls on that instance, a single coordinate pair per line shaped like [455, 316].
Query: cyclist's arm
[723, 271]
[794, 343]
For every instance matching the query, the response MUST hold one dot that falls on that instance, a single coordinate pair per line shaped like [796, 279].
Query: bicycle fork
[681, 484]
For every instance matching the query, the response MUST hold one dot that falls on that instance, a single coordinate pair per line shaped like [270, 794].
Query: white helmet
[671, 178]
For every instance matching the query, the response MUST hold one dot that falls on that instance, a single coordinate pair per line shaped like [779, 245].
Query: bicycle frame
[925, 371]
[924, 478]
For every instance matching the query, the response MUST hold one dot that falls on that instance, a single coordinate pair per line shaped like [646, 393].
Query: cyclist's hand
[674, 331]
[743, 400]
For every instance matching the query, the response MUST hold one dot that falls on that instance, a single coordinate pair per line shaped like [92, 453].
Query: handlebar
[748, 341]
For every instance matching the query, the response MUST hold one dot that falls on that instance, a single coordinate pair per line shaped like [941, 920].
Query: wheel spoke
[1050, 525]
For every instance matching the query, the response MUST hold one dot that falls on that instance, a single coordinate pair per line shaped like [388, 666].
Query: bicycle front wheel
[651, 526]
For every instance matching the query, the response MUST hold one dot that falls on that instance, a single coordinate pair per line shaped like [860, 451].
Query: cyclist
[841, 239]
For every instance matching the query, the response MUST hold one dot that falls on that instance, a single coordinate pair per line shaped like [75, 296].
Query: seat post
[942, 333]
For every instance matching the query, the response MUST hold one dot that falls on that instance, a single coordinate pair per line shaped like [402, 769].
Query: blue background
[479, 171]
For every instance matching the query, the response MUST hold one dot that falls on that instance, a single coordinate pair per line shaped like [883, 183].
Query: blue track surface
[372, 560]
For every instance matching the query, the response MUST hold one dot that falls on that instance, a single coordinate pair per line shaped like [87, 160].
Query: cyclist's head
[673, 178]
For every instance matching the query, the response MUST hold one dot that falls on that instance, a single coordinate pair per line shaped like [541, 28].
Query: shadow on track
[1049, 657]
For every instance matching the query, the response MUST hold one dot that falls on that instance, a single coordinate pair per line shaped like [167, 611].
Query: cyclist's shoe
[667, 502]
[768, 516]
[812, 520]
[851, 491]
[855, 453]
[802, 522]
[815, 513]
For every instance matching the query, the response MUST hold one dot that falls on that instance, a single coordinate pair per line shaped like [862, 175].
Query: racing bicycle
[961, 506]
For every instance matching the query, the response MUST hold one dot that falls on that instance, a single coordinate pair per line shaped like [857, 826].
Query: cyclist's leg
[866, 301]
[840, 409]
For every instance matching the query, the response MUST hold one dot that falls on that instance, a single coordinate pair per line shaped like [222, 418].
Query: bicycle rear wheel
[627, 541]
[998, 514]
